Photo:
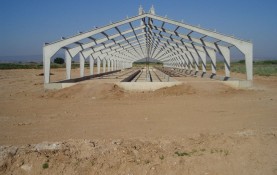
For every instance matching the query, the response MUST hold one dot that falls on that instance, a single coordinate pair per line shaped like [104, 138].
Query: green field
[262, 68]
[4, 66]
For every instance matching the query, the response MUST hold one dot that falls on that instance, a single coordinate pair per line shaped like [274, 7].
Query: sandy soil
[200, 127]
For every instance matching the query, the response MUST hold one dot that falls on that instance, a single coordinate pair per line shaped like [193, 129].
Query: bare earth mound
[203, 154]
[200, 127]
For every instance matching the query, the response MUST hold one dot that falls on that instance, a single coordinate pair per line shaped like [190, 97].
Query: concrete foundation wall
[145, 86]
[239, 84]
[57, 86]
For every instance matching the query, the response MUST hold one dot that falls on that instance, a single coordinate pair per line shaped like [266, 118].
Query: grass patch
[147, 161]
[225, 152]
[20, 66]
[192, 152]
[261, 68]
[274, 62]
[182, 153]
[265, 70]
[45, 165]
[162, 157]
[6, 66]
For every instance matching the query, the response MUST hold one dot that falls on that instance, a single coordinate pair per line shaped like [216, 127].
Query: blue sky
[26, 24]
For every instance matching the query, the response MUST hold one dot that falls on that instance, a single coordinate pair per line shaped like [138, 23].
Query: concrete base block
[239, 84]
[146, 86]
[57, 86]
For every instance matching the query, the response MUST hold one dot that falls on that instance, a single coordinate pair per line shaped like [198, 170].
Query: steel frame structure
[145, 38]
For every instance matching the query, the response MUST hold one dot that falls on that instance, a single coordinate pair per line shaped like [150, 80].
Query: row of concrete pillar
[107, 65]
[193, 61]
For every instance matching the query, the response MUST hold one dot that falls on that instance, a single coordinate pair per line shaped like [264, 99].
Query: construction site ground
[95, 127]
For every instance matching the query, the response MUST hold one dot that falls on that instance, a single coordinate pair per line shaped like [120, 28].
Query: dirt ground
[200, 127]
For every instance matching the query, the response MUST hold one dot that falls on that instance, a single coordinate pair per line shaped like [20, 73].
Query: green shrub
[45, 166]
[59, 60]
[241, 61]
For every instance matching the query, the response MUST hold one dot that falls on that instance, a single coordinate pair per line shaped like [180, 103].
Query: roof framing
[145, 39]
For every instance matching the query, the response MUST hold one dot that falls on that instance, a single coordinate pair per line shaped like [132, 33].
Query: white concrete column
[46, 66]
[68, 60]
[104, 65]
[172, 62]
[98, 65]
[196, 61]
[178, 65]
[187, 64]
[247, 50]
[91, 65]
[109, 65]
[184, 62]
[82, 64]
[212, 55]
[204, 61]
[165, 64]
[184, 65]
[189, 61]
[180, 62]
[175, 62]
[249, 65]
[225, 52]
[112, 64]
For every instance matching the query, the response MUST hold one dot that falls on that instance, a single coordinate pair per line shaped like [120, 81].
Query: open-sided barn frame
[121, 43]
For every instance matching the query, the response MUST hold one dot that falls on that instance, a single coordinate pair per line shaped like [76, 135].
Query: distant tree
[59, 60]
[241, 61]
